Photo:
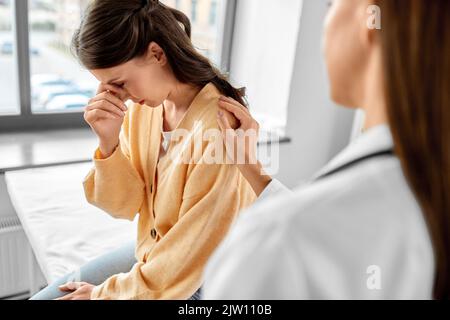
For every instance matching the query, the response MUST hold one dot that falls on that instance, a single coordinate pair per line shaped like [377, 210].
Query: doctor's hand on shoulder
[241, 144]
[105, 115]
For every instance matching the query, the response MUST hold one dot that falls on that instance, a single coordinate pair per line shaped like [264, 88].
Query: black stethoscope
[357, 161]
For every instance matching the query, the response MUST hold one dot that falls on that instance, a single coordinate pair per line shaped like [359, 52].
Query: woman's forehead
[110, 75]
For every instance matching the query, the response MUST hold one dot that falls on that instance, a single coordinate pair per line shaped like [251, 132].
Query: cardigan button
[153, 233]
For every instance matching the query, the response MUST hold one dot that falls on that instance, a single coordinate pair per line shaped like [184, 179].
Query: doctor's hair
[415, 39]
[113, 32]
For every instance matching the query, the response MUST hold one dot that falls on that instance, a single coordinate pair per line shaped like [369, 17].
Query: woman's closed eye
[118, 84]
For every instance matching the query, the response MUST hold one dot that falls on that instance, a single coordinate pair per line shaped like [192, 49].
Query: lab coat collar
[374, 140]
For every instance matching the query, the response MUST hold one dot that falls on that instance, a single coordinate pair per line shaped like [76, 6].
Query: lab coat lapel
[375, 140]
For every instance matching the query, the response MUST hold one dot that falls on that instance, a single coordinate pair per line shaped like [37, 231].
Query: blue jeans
[96, 272]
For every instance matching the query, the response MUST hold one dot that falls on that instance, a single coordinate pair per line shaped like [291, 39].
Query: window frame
[29, 121]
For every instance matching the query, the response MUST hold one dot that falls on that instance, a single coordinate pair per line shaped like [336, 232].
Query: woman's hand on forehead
[119, 92]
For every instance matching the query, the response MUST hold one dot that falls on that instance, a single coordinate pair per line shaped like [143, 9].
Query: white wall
[318, 129]
[263, 52]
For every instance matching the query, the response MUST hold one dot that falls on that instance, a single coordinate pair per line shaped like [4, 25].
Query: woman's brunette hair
[415, 38]
[113, 32]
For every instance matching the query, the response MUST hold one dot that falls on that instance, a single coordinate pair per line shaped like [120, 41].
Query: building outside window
[9, 103]
[194, 10]
[213, 13]
[48, 80]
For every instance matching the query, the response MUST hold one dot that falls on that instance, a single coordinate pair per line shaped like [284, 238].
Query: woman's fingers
[247, 135]
[108, 96]
[105, 106]
[96, 114]
[240, 114]
[229, 135]
[235, 103]
[223, 122]
[116, 90]
[66, 287]
[66, 297]
[71, 286]
[109, 87]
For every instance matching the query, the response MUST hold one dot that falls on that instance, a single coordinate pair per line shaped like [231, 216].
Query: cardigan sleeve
[114, 185]
[174, 266]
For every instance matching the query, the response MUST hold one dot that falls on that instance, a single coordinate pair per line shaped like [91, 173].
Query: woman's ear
[156, 53]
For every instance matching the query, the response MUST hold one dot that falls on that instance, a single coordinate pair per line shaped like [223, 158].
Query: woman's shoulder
[211, 117]
[207, 110]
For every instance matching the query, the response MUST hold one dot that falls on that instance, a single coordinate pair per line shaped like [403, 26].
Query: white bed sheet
[64, 230]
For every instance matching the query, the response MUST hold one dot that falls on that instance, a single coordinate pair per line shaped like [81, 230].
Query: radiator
[15, 260]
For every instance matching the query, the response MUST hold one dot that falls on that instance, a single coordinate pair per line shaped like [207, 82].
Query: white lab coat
[357, 234]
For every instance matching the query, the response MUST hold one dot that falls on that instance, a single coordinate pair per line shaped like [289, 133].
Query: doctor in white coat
[374, 223]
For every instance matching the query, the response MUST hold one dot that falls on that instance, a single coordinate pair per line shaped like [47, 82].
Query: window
[41, 83]
[8, 85]
[207, 30]
[213, 13]
[267, 81]
[194, 10]
[58, 82]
